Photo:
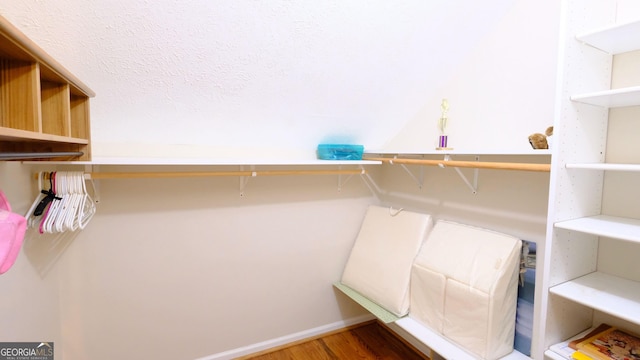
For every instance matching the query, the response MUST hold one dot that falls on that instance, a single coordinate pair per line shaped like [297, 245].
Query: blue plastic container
[340, 152]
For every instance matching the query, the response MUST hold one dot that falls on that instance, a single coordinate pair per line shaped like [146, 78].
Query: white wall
[185, 268]
[29, 305]
[499, 93]
[513, 202]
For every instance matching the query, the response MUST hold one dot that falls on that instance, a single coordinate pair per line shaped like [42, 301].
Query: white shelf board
[605, 166]
[203, 161]
[457, 152]
[614, 39]
[562, 351]
[441, 345]
[629, 96]
[606, 293]
[554, 356]
[605, 225]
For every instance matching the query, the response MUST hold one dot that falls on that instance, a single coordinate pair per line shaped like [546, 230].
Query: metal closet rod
[467, 164]
[248, 173]
[38, 155]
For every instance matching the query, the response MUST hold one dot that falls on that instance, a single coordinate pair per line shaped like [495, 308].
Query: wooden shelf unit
[43, 107]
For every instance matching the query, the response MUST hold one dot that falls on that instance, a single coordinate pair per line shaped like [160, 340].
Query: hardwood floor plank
[310, 350]
[366, 341]
[347, 346]
[384, 344]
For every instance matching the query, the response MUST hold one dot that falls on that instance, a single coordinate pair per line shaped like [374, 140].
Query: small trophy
[442, 124]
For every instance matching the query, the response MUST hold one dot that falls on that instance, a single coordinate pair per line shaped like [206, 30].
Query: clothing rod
[468, 164]
[160, 175]
[38, 155]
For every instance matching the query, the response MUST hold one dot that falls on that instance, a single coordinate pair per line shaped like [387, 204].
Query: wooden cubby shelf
[43, 107]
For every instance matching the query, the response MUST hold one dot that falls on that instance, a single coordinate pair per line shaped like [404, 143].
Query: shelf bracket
[95, 186]
[244, 180]
[342, 183]
[419, 179]
[371, 184]
[473, 186]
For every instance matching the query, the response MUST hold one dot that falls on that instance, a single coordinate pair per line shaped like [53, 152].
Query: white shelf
[554, 356]
[441, 345]
[629, 96]
[605, 225]
[457, 152]
[204, 162]
[605, 166]
[606, 293]
[614, 39]
[562, 351]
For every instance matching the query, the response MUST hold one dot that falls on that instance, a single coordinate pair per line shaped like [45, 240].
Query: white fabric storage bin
[379, 266]
[464, 285]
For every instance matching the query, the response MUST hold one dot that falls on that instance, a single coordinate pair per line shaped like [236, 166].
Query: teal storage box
[340, 152]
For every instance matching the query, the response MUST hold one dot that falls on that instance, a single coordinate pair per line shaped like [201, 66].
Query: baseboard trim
[264, 345]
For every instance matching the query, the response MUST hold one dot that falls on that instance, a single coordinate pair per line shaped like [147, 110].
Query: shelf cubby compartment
[80, 117]
[19, 95]
[615, 39]
[55, 108]
[603, 292]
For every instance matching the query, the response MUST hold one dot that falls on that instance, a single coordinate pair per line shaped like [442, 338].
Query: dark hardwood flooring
[369, 340]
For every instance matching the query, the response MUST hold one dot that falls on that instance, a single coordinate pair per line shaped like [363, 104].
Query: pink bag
[12, 230]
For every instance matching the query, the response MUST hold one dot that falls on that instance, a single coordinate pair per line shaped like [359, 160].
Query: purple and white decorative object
[442, 124]
[442, 142]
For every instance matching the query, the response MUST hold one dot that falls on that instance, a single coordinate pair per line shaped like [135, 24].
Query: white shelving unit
[576, 293]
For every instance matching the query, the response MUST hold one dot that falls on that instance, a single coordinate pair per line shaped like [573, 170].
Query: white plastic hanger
[47, 224]
[87, 207]
[32, 221]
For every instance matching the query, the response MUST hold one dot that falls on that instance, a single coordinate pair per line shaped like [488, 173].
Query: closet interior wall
[31, 298]
[513, 202]
[200, 270]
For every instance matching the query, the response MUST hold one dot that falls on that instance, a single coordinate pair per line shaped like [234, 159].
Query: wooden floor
[370, 340]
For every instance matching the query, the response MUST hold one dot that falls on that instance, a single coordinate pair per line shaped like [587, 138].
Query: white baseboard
[253, 348]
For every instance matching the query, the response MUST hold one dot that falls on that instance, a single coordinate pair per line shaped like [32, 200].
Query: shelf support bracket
[95, 186]
[371, 184]
[342, 183]
[244, 180]
[418, 179]
[473, 186]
